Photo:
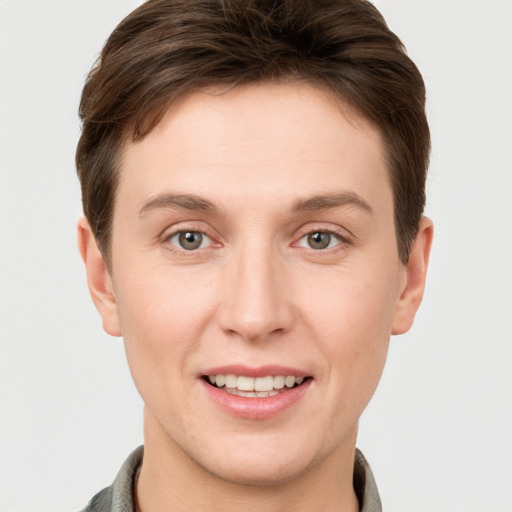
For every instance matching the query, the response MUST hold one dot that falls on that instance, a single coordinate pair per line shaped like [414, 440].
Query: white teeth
[279, 382]
[264, 383]
[235, 391]
[289, 381]
[251, 394]
[243, 385]
[231, 381]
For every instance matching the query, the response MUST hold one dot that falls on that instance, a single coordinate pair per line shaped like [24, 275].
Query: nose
[256, 302]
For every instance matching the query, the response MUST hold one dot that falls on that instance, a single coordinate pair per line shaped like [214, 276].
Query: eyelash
[341, 239]
[178, 249]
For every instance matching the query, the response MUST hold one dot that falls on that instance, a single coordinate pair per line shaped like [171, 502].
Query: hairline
[130, 133]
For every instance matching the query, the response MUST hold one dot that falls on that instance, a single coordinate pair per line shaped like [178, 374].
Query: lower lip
[258, 407]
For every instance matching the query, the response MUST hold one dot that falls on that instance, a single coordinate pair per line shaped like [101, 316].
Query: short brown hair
[166, 48]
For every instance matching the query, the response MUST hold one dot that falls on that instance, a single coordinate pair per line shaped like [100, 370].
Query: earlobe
[415, 275]
[99, 280]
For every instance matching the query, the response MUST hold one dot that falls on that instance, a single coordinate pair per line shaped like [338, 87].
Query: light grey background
[439, 430]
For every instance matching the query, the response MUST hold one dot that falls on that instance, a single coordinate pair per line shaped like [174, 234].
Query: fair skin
[290, 268]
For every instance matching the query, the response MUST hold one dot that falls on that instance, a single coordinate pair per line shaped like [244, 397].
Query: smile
[254, 387]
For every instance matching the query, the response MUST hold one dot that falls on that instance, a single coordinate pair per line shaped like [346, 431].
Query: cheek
[350, 304]
[162, 317]
[351, 317]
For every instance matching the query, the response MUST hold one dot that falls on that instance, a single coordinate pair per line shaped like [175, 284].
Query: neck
[169, 479]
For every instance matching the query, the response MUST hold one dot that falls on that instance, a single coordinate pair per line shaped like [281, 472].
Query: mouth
[255, 387]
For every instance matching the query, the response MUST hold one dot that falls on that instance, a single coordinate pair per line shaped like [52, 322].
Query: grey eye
[319, 240]
[189, 240]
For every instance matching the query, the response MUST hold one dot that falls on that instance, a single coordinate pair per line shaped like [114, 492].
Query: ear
[98, 279]
[415, 273]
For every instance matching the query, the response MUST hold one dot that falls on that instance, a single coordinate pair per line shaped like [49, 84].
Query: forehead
[259, 140]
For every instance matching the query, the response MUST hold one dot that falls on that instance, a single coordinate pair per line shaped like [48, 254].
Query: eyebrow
[183, 201]
[335, 200]
[193, 202]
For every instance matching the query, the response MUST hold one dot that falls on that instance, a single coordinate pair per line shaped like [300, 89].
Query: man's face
[253, 236]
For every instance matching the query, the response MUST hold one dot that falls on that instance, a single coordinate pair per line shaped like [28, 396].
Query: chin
[259, 472]
[261, 460]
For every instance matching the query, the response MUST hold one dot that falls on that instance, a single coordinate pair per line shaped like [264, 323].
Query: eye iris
[190, 240]
[319, 240]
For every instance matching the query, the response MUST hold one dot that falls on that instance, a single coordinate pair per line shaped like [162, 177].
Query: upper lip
[255, 371]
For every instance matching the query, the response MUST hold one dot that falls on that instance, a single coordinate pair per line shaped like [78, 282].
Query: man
[253, 181]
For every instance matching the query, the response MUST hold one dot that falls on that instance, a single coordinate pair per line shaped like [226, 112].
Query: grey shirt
[119, 497]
